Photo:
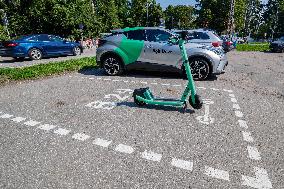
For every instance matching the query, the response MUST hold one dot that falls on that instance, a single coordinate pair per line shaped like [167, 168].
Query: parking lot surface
[82, 130]
[7, 62]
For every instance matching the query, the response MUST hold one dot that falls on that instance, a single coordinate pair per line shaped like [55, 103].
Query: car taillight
[228, 43]
[216, 44]
[11, 44]
[100, 42]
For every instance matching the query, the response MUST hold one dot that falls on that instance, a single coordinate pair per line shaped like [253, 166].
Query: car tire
[112, 65]
[200, 69]
[76, 51]
[35, 54]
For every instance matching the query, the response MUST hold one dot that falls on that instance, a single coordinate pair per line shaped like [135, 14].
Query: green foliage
[253, 47]
[42, 70]
[180, 17]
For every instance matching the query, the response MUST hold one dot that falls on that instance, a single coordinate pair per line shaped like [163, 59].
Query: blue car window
[33, 38]
[55, 38]
[43, 38]
[157, 35]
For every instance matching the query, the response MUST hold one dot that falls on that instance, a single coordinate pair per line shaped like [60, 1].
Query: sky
[165, 3]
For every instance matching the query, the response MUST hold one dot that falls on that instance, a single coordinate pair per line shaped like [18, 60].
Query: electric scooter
[144, 96]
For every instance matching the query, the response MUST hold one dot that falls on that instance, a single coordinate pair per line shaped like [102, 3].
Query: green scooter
[144, 96]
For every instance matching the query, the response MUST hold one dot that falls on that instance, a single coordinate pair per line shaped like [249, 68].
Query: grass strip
[253, 47]
[42, 70]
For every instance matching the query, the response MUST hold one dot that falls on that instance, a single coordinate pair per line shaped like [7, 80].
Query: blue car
[38, 46]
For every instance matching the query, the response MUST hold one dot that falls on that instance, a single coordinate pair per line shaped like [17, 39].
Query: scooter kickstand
[184, 107]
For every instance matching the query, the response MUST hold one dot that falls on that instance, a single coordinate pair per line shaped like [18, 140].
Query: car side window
[136, 35]
[33, 38]
[55, 38]
[157, 35]
[200, 35]
[43, 38]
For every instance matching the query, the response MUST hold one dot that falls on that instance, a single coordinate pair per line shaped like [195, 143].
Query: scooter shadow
[155, 107]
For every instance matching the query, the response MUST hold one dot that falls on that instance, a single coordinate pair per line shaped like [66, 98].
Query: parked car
[227, 44]
[38, 46]
[149, 49]
[204, 37]
[277, 46]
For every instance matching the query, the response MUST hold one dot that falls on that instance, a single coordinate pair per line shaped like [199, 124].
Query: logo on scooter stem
[206, 119]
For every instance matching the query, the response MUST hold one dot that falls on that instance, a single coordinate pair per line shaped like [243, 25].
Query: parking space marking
[260, 181]
[46, 127]
[61, 131]
[217, 173]
[253, 153]
[236, 106]
[243, 124]
[31, 123]
[165, 84]
[115, 80]
[239, 114]
[232, 95]
[152, 156]
[234, 100]
[102, 142]
[154, 83]
[214, 89]
[124, 149]
[187, 165]
[206, 119]
[226, 90]
[247, 136]
[91, 78]
[18, 119]
[6, 116]
[81, 136]
[143, 82]
[201, 88]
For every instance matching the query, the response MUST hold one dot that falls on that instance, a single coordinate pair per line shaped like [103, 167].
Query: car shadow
[8, 61]
[155, 107]
[94, 71]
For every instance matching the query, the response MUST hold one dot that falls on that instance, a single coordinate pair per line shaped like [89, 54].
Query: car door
[47, 45]
[157, 49]
[60, 46]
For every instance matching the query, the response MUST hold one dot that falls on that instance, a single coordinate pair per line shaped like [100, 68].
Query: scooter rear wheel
[198, 102]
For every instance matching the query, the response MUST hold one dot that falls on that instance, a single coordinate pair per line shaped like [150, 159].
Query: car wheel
[76, 51]
[112, 65]
[199, 68]
[35, 54]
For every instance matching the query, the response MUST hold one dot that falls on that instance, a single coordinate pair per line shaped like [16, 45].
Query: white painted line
[234, 100]
[247, 136]
[133, 81]
[18, 119]
[229, 91]
[124, 149]
[187, 165]
[125, 81]
[143, 82]
[239, 114]
[154, 83]
[243, 124]
[253, 153]
[6, 116]
[236, 106]
[260, 181]
[31, 123]
[214, 89]
[80, 136]
[46, 127]
[177, 85]
[107, 79]
[165, 84]
[70, 76]
[99, 78]
[232, 95]
[102, 142]
[217, 173]
[91, 78]
[62, 131]
[201, 88]
[115, 80]
[151, 156]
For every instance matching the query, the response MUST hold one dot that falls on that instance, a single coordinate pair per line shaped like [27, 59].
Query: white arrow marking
[206, 119]
[260, 181]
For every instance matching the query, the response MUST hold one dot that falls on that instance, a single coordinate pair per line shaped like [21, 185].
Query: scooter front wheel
[198, 102]
[138, 92]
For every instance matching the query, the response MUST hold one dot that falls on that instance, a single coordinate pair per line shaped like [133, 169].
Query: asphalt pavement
[7, 62]
[83, 130]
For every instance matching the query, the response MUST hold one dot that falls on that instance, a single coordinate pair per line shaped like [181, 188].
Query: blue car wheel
[76, 51]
